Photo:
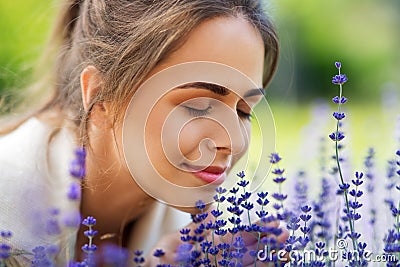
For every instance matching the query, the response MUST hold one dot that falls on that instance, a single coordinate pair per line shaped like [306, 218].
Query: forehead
[230, 41]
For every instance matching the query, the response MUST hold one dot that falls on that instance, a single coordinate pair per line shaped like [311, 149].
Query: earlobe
[91, 85]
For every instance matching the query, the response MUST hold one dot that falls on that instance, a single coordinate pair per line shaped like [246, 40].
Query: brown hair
[126, 39]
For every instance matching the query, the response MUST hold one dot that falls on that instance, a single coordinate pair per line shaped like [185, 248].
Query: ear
[91, 84]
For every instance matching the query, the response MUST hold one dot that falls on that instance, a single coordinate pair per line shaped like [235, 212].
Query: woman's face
[194, 133]
[229, 41]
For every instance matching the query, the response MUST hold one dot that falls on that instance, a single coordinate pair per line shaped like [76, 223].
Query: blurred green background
[363, 34]
[24, 27]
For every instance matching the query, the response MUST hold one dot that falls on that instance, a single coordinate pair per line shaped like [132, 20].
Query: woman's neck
[110, 195]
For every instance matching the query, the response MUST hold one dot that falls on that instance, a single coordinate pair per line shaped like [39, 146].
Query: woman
[107, 50]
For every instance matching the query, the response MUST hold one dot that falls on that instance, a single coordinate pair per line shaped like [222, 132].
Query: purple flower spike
[274, 158]
[90, 233]
[339, 115]
[343, 100]
[241, 174]
[339, 79]
[279, 180]
[336, 136]
[138, 252]
[200, 205]
[77, 169]
[344, 186]
[359, 175]
[336, 100]
[114, 255]
[74, 191]
[5, 251]
[158, 253]
[338, 65]
[183, 254]
[306, 209]
[89, 221]
[40, 257]
[5, 234]
[239, 243]
[89, 248]
[80, 153]
[220, 190]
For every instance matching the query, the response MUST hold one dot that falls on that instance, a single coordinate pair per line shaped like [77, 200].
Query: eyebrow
[219, 89]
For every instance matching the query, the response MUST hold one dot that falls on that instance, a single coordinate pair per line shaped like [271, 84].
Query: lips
[210, 174]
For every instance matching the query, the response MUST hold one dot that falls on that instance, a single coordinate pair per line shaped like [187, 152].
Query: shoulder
[34, 177]
[24, 142]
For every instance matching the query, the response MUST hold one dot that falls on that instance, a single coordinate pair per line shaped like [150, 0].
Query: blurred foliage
[363, 34]
[24, 26]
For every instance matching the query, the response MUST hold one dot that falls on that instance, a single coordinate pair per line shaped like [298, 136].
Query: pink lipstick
[211, 174]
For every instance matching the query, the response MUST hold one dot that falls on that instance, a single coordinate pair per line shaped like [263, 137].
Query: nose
[228, 135]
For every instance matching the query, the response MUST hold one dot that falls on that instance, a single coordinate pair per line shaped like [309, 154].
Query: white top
[34, 179]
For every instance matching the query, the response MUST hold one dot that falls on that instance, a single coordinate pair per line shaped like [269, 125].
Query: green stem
[258, 241]
[213, 238]
[339, 167]
[342, 181]
[398, 229]
[304, 236]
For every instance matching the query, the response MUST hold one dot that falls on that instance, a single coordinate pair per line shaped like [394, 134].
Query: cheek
[172, 141]
[153, 132]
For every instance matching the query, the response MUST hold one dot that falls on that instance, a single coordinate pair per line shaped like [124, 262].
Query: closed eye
[198, 112]
[244, 115]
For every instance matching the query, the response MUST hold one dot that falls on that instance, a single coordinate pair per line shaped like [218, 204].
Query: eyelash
[204, 112]
[246, 116]
[198, 112]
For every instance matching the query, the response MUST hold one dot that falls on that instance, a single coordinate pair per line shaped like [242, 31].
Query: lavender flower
[274, 158]
[300, 194]
[89, 248]
[308, 225]
[41, 258]
[77, 168]
[114, 256]
[5, 234]
[337, 136]
[89, 221]
[138, 257]
[183, 255]
[5, 252]
[339, 79]
[5, 248]
[279, 196]
[338, 100]
[74, 191]
[200, 205]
